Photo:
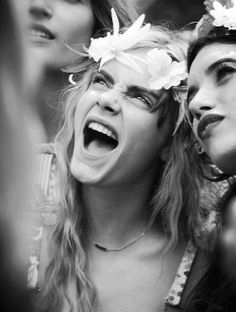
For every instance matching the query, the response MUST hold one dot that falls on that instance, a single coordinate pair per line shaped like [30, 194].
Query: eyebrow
[131, 88]
[108, 77]
[213, 66]
[139, 89]
[209, 70]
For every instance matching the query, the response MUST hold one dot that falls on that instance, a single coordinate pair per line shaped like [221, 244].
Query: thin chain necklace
[129, 243]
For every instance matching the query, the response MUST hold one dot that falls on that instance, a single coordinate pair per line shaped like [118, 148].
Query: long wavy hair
[215, 292]
[175, 198]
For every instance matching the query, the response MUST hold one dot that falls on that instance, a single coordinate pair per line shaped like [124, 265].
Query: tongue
[99, 147]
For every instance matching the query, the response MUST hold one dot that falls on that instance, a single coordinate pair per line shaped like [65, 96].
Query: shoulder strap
[199, 268]
[175, 294]
[193, 266]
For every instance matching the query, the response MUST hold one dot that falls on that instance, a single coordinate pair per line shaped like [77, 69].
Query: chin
[223, 155]
[82, 173]
[227, 163]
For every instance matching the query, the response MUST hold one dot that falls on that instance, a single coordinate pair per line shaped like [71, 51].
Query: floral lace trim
[179, 283]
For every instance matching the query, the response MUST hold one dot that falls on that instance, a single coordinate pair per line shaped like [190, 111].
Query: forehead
[209, 55]
[128, 75]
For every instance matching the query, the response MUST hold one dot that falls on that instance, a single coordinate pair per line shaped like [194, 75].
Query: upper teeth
[100, 128]
[39, 33]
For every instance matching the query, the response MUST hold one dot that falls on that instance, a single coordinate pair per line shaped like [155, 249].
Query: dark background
[180, 12]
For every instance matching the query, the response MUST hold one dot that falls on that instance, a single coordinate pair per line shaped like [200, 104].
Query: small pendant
[100, 247]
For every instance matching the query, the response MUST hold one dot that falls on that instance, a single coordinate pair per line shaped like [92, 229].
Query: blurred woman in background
[52, 24]
[19, 128]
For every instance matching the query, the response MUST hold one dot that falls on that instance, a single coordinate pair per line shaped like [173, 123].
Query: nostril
[108, 108]
[197, 116]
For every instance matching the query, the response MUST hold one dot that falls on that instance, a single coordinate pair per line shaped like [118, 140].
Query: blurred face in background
[52, 23]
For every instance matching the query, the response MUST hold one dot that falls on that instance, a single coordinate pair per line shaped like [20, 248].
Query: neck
[48, 99]
[116, 215]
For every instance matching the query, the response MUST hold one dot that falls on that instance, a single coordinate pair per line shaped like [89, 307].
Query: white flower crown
[164, 72]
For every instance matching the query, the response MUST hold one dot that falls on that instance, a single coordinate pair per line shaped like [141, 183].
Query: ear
[164, 155]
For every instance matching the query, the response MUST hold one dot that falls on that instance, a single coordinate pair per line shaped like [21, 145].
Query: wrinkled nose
[109, 101]
[202, 102]
[41, 9]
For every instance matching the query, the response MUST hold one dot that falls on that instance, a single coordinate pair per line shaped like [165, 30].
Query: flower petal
[128, 60]
[106, 58]
[115, 22]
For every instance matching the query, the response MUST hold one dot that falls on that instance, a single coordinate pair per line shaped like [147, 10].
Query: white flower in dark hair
[224, 16]
[165, 73]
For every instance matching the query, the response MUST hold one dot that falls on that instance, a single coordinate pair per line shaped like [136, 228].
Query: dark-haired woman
[212, 112]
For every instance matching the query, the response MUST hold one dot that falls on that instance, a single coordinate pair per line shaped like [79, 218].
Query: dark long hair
[215, 35]
[214, 292]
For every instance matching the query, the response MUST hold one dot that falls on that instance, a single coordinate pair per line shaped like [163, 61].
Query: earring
[71, 80]
[199, 148]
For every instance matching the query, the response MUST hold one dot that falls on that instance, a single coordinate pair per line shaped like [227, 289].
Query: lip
[206, 123]
[47, 34]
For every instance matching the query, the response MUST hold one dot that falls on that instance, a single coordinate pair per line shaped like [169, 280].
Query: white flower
[165, 73]
[114, 46]
[224, 16]
[219, 13]
[230, 23]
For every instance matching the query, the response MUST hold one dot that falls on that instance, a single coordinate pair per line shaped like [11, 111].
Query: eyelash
[73, 1]
[223, 71]
[99, 79]
[145, 100]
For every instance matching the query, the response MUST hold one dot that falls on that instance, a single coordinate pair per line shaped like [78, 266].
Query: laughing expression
[212, 103]
[116, 137]
[54, 23]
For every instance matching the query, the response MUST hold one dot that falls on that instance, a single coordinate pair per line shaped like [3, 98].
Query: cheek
[79, 27]
[146, 135]
[84, 104]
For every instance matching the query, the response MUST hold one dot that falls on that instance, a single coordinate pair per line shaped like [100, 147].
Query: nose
[109, 101]
[41, 9]
[203, 101]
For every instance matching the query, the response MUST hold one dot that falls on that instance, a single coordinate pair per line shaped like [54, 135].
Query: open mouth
[99, 139]
[40, 31]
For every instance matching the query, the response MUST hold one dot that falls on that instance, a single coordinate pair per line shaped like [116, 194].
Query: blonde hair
[68, 245]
